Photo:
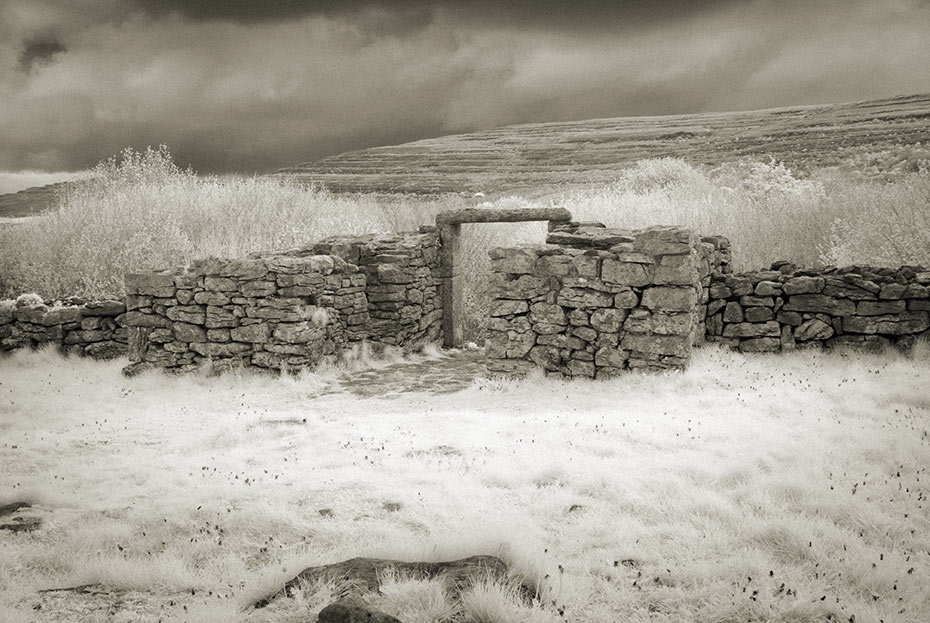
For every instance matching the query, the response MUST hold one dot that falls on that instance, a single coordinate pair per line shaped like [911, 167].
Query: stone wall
[289, 310]
[785, 308]
[402, 283]
[595, 301]
[91, 328]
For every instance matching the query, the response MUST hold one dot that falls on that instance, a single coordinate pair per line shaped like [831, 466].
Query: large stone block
[257, 333]
[760, 345]
[258, 288]
[610, 357]
[677, 270]
[665, 241]
[584, 298]
[139, 319]
[218, 317]
[804, 285]
[657, 345]
[820, 303]
[547, 313]
[220, 284]
[608, 319]
[659, 323]
[625, 273]
[879, 308]
[523, 287]
[185, 332]
[749, 329]
[892, 324]
[813, 329]
[191, 314]
[669, 298]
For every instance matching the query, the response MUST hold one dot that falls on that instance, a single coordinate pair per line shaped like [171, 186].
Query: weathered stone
[608, 319]
[675, 270]
[625, 273]
[546, 357]
[191, 314]
[789, 318]
[579, 368]
[139, 319]
[892, 324]
[657, 345]
[813, 329]
[211, 349]
[220, 284]
[715, 306]
[756, 301]
[878, 308]
[507, 307]
[668, 298]
[918, 305]
[660, 323]
[759, 314]
[719, 291]
[243, 269]
[768, 288]
[134, 302]
[738, 285]
[916, 291]
[353, 611]
[892, 291]
[255, 289]
[760, 345]
[523, 287]
[665, 241]
[61, 315]
[587, 264]
[295, 332]
[215, 335]
[822, 303]
[610, 357]
[626, 299]
[218, 317]
[257, 333]
[561, 341]
[846, 290]
[550, 314]
[185, 332]
[748, 329]
[733, 312]
[804, 285]
[584, 298]
[211, 298]
[106, 308]
[510, 367]
[586, 333]
[787, 338]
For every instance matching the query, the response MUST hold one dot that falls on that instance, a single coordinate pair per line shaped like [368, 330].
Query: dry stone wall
[785, 308]
[595, 301]
[289, 310]
[402, 283]
[79, 327]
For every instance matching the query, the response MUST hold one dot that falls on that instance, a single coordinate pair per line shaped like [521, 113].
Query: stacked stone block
[402, 274]
[276, 312]
[785, 308]
[88, 328]
[595, 301]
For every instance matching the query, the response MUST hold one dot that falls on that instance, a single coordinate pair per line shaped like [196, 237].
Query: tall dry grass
[140, 211]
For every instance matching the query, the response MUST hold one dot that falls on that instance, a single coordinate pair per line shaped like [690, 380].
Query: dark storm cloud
[252, 86]
[558, 15]
[39, 50]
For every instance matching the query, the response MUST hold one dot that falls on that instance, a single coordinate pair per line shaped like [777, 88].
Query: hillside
[31, 200]
[565, 153]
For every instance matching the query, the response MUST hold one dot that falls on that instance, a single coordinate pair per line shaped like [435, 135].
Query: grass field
[790, 488]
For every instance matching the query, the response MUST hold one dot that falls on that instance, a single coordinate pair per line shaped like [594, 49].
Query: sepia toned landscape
[464, 313]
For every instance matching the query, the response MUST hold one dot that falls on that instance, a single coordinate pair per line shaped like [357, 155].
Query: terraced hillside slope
[524, 157]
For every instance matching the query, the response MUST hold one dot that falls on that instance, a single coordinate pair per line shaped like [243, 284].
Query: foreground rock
[15, 517]
[353, 611]
[359, 576]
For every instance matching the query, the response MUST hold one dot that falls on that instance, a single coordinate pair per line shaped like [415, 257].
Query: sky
[248, 87]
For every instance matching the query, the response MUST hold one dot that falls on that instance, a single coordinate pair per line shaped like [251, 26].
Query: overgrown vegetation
[140, 211]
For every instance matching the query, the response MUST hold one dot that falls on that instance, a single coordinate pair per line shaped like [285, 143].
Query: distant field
[534, 157]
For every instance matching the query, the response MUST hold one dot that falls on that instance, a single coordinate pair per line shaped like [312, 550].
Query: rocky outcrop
[360, 576]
